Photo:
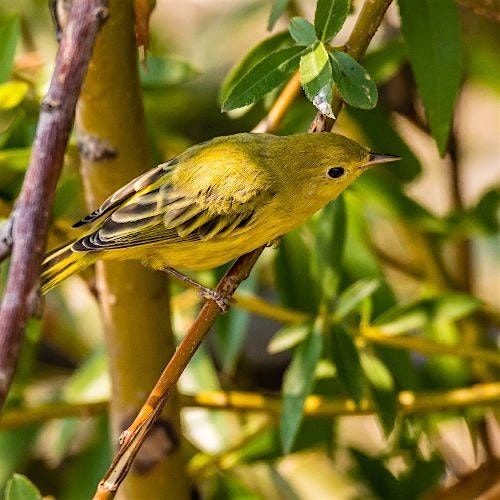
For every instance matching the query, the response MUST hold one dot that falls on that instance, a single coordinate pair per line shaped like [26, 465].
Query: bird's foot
[221, 300]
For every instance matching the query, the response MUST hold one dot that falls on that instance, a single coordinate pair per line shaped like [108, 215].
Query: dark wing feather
[127, 191]
[167, 215]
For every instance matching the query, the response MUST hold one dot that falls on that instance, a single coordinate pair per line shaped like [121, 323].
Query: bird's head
[327, 163]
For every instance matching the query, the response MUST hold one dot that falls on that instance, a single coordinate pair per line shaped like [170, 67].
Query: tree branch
[368, 21]
[32, 213]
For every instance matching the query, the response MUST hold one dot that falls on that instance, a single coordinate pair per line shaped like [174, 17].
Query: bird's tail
[59, 264]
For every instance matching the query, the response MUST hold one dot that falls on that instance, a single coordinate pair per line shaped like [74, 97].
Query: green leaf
[9, 34]
[271, 71]
[381, 134]
[231, 331]
[455, 306]
[431, 30]
[163, 71]
[329, 17]
[385, 61]
[297, 385]
[317, 79]
[288, 337]
[352, 296]
[346, 359]
[259, 52]
[296, 284]
[329, 246]
[379, 478]
[302, 31]
[277, 10]
[421, 477]
[12, 94]
[382, 389]
[20, 487]
[403, 318]
[353, 82]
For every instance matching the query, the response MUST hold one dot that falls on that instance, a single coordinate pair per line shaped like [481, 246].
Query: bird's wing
[183, 208]
[126, 192]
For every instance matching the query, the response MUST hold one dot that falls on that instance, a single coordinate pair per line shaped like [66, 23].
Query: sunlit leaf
[329, 17]
[346, 359]
[352, 296]
[431, 30]
[288, 337]
[12, 94]
[297, 384]
[20, 487]
[353, 82]
[9, 34]
[402, 318]
[302, 31]
[455, 306]
[271, 71]
[316, 78]
[277, 10]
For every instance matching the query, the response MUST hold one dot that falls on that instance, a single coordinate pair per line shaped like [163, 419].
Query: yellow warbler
[214, 202]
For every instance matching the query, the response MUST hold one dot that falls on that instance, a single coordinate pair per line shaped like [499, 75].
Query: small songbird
[214, 202]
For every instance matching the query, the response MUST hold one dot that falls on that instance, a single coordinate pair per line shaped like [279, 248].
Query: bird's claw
[221, 300]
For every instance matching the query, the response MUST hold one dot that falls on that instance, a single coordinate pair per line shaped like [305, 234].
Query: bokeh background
[432, 268]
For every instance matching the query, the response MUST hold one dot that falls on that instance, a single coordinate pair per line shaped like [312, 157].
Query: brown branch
[32, 214]
[131, 440]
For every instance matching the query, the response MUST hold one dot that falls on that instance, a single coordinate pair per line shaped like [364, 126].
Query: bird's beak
[376, 158]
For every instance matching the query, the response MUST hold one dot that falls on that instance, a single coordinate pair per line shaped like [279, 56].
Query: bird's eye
[335, 172]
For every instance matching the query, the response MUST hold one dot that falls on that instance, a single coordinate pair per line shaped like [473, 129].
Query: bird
[214, 202]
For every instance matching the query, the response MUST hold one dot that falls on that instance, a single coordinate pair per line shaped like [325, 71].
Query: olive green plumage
[214, 202]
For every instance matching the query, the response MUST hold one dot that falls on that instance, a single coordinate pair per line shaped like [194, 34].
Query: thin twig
[315, 406]
[318, 406]
[32, 214]
[131, 440]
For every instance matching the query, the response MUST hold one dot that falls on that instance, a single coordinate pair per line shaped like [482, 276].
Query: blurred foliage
[383, 256]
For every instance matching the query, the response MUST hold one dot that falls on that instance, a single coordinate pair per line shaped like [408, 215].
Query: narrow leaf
[382, 389]
[266, 75]
[20, 487]
[346, 358]
[297, 385]
[288, 337]
[329, 17]
[277, 10]
[302, 31]
[431, 30]
[352, 296]
[9, 34]
[330, 236]
[353, 82]
[259, 52]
